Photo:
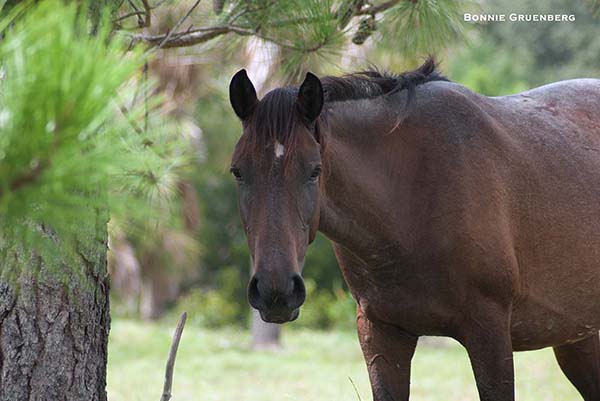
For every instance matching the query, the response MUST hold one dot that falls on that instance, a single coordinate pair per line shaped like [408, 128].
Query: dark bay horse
[451, 214]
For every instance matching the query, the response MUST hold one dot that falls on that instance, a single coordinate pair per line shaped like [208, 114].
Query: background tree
[493, 62]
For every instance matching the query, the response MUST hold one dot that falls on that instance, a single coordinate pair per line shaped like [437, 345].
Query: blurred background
[196, 259]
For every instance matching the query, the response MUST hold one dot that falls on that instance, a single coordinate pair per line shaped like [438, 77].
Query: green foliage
[489, 70]
[595, 6]
[221, 233]
[507, 57]
[327, 308]
[305, 32]
[144, 195]
[66, 149]
[55, 149]
[210, 308]
[320, 264]
[424, 26]
[315, 33]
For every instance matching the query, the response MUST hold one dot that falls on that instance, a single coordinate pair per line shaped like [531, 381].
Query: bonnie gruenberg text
[515, 17]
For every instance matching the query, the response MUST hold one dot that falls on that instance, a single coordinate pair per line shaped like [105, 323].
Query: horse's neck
[361, 194]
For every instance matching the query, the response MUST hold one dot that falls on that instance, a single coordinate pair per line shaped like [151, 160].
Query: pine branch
[201, 35]
[178, 24]
[147, 15]
[188, 38]
[128, 15]
[183, 39]
[138, 13]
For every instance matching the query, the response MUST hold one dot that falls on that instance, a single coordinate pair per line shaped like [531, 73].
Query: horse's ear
[242, 95]
[310, 97]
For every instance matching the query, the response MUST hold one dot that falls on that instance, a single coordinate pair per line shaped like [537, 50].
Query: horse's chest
[400, 295]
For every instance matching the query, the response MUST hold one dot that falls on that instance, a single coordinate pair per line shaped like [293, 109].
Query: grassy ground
[217, 365]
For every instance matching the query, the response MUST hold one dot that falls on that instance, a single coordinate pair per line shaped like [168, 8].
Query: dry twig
[166, 395]
[147, 15]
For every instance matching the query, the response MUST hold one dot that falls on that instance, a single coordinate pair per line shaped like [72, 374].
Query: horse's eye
[314, 176]
[236, 173]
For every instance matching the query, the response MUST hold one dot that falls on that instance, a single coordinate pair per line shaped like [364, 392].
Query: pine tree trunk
[125, 273]
[264, 335]
[54, 322]
[158, 290]
[159, 286]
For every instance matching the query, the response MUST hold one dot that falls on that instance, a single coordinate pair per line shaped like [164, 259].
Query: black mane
[372, 83]
[275, 115]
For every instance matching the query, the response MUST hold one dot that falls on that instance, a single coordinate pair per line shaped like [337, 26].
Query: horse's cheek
[308, 204]
[244, 206]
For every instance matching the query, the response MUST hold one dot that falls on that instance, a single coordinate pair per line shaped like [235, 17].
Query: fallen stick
[166, 395]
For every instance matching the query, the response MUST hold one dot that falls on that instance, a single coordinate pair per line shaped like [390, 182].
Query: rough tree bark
[54, 322]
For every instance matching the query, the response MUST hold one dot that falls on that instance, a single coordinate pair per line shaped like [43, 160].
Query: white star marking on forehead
[279, 149]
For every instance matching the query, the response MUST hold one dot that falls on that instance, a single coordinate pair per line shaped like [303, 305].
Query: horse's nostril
[254, 295]
[298, 295]
[286, 294]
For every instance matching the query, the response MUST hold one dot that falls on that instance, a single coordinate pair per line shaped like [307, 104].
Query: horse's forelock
[273, 121]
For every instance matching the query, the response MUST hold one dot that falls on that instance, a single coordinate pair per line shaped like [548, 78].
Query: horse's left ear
[310, 97]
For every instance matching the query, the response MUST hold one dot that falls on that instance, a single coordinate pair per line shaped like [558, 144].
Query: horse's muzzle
[279, 317]
[278, 301]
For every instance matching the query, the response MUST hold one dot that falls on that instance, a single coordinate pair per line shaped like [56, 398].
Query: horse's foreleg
[486, 336]
[388, 352]
[580, 362]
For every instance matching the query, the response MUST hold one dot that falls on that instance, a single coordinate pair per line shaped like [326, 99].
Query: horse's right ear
[242, 95]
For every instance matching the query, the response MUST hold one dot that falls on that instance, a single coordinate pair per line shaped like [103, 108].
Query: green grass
[218, 365]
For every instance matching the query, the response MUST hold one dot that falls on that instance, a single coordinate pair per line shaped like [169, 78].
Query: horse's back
[562, 89]
[572, 105]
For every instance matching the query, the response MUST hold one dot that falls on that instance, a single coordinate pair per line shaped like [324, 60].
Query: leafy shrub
[327, 309]
[208, 308]
[216, 306]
